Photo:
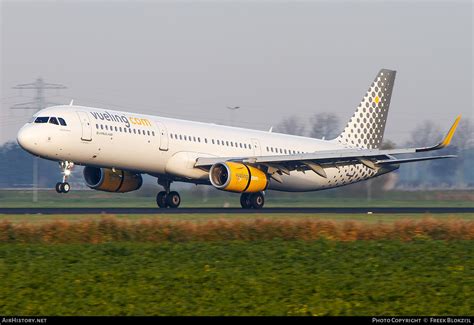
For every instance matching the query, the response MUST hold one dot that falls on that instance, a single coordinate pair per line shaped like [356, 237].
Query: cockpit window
[53, 120]
[42, 119]
[62, 121]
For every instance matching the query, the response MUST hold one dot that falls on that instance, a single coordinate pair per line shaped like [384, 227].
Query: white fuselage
[165, 147]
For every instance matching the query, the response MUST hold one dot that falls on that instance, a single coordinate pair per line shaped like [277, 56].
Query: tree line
[16, 165]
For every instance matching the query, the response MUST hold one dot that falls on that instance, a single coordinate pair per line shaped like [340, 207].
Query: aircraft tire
[173, 199]
[245, 201]
[161, 199]
[257, 200]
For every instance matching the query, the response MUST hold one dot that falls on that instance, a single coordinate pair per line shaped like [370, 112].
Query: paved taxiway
[384, 210]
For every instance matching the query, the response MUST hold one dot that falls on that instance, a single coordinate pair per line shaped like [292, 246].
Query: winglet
[447, 139]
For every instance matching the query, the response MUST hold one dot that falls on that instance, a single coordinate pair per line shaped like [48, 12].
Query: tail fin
[366, 127]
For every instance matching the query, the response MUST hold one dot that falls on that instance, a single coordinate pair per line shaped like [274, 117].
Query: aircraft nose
[26, 138]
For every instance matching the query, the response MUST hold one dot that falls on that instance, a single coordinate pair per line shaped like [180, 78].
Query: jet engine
[237, 177]
[112, 180]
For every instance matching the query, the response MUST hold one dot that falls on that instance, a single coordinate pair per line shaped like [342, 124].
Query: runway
[335, 210]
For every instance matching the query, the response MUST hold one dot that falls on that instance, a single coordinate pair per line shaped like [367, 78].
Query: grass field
[112, 229]
[239, 264]
[370, 218]
[425, 277]
[91, 198]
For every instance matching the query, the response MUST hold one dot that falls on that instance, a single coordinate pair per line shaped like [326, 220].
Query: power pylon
[37, 104]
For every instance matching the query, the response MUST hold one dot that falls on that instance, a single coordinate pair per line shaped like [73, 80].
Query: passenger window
[134, 131]
[180, 137]
[102, 126]
[227, 143]
[62, 121]
[199, 139]
[194, 139]
[97, 126]
[185, 138]
[139, 131]
[153, 133]
[43, 119]
[212, 141]
[286, 151]
[120, 128]
[218, 142]
[205, 140]
[116, 129]
[148, 132]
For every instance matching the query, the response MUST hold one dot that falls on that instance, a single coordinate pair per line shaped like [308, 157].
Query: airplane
[117, 147]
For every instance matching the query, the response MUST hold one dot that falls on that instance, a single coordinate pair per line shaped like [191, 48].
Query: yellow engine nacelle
[237, 177]
[108, 180]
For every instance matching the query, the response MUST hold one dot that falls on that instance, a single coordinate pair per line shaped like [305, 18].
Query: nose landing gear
[66, 169]
[165, 198]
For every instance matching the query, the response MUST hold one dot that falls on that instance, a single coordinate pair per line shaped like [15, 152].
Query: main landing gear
[252, 200]
[167, 199]
[66, 168]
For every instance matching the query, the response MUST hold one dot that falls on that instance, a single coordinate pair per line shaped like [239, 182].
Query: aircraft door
[256, 147]
[86, 126]
[163, 132]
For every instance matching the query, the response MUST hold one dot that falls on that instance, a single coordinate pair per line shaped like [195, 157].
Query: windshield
[42, 119]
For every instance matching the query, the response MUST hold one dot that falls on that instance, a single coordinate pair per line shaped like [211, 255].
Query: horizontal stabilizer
[407, 160]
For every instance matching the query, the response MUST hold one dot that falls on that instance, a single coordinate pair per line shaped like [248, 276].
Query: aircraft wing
[372, 158]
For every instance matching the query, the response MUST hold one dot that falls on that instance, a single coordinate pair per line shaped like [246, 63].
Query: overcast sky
[273, 59]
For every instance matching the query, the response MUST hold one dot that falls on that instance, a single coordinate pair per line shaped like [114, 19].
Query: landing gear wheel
[161, 199]
[65, 187]
[173, 199]
[257, 200]
[245, 201]
[66, 168]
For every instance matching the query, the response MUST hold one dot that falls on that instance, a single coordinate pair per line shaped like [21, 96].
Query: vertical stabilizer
[366, 127]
